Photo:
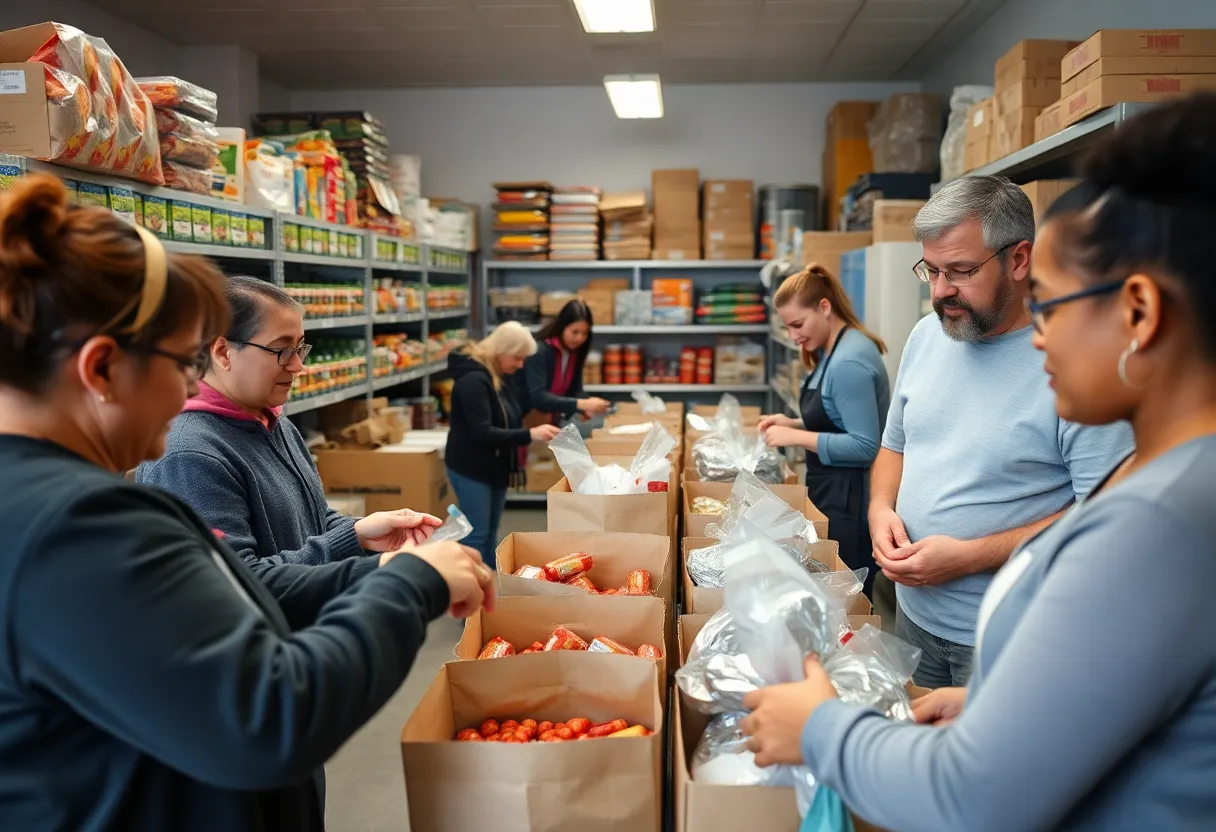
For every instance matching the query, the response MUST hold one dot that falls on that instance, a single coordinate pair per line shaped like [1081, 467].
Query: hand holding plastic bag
[456, 527]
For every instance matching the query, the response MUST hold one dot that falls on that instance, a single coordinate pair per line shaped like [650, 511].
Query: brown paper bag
[639, 513]
[601, 785]
[614, 556]
[794, 495]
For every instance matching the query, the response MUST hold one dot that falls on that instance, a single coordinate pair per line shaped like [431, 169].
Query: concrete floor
[365, 788]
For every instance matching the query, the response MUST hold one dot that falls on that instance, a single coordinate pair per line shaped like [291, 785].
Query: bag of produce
[99, 119]
[726, 450]
[169, 93]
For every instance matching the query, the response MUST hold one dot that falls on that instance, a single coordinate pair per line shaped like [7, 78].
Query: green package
[183, 222]
[257, 232]
[240, 231]
[139, 210]
[156, 216]
[10, 169]
[333, 245]
[291, 237]
[320, 241]
[95, 195]
[201, 217]
[122, 203]
[305, 239]
[68, 184]
[221, 227]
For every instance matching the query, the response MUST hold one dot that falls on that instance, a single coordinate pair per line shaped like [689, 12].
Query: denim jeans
[483, 505]
[943, 664]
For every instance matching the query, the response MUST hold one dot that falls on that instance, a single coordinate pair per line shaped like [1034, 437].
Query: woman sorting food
[234, 459]
[552, 380]
[1093, 699]
[487, 443]
[150, 679]
[843, 402]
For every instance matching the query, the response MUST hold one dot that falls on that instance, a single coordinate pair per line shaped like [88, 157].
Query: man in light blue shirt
[974, 458]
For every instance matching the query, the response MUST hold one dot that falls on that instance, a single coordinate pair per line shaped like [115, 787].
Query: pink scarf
[210, 400]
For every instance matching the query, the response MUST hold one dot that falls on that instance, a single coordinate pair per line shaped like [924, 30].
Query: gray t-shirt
[984, 452]
[1093, 702]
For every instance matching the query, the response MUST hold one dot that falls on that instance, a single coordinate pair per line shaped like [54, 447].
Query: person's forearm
[808, 439]
[988, 554]
[888, 470]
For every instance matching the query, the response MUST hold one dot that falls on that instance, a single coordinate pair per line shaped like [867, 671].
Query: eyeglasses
[284, 355]
[197, 366]
[1038, 309]
[927, 274]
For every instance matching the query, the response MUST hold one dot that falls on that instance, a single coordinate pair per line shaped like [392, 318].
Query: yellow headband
[156, 276]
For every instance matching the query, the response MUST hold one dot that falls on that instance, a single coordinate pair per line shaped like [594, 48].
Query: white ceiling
[342, 44]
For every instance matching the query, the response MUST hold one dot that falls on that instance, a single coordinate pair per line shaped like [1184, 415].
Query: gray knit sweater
[257, 486]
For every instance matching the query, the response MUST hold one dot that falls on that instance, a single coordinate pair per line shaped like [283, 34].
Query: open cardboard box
[711, 808]
[624, 446]
[706, 599]
[635, 409]
[794, 495]
[388, 479]
[673, 423]
[592, 786]
[692, 475]
[649, 513]
[521, 620]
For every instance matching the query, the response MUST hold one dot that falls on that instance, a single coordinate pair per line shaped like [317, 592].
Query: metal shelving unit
[398, 318]
[439, 314]
[677, 388]
[311, 324]
[410, 375]
[293, 408]
[784, 396]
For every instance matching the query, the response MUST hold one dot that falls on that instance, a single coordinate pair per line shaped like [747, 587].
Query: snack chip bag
[169, 93]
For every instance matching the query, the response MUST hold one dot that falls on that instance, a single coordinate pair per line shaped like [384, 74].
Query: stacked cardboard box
[893, 220]
[846, 152]
[1043, 192]
[574, 224]
[521, 220]
[677, 215]
[826, 247]
[1133, 65]
[600, 296]
[980, 140]
[627, 226]
[729, 231]
[1027, 80]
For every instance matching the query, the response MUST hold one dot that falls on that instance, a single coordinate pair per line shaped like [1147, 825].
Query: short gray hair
[1002, 208]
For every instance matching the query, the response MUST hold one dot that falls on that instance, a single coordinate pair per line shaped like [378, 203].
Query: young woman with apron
[842, 407]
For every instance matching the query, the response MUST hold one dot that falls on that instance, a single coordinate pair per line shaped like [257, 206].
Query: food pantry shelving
[357, 257]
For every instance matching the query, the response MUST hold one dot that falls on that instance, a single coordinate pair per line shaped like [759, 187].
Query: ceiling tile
[883, 30]
[716, 12]
[426, 17]
[617, 60]
[808, 11]
[495, 16]
[704, 71]
[909, 9]
[321, 21]
[785, 70]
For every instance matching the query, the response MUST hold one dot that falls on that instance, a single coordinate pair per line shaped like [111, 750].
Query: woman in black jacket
[487, 443]
[552, 380]
[150, 679]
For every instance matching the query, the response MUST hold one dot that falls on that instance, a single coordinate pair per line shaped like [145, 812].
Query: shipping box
[1049, 122]
[636, 408]
[601, 303]
[1138, 43]
[1044, 192]
[1108, 90]
[846, 152]
[559, 787]
[980, 122]
[676, 203]
[389, 478]
[25, 127]
[826, 247]
[1163, 65]
[893, 220]
[1031, 59]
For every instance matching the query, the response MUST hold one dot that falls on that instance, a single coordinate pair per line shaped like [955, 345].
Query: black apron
[843, 494]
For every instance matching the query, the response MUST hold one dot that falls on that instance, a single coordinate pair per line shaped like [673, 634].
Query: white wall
[972, 61]
[142, 52]
[468, 138]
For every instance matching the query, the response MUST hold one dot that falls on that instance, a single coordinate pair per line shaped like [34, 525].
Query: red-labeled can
[496, 648]
[565, 569]
[650, 651]
[603, 644]
[563, 639]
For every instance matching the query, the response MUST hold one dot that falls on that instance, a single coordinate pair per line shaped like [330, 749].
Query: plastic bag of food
[269, 176]
[753, 502]
[650, 404]
[195, 153]
[954, 142]
[726, 450]
[169, 93]
[722, 758]
[171, 121]
[707, 566]
[98, 118]
[187, 178]
[650, 469]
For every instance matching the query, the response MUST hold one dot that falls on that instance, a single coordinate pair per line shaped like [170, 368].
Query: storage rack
[375, 255]
[572, 275]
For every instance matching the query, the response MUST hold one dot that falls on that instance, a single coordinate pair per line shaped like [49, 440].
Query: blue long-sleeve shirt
[1093, 702]
[856, 396]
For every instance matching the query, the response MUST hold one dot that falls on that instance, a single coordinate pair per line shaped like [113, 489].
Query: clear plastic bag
[752, 501]
[180, 124]
[726, 450]
[169, 93]
[649, 465]
[872, 669]
[98, 118]
[722, 758]
[650, 404]
[954, 142]
[456, 527]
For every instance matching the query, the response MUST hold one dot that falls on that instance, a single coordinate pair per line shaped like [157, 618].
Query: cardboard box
[1014, 131]
[671, 291]
[1108, 90]
[980, 119]
[730, 252]
[1049, 122]
[893, 220]
[676, 201]
[601, 303]
[542, 474]
[458, 786]
[635, 408]
[1043, 192]
[649, 513]
[736, 194]
[826, 247]
[1028, 92]
[729, 217]
[1138, 43]
[1168, 65]
[794, 495]
[522, 620]
[1030, 59]
[685, 251]
[846, 152]
[389, 478]
[552, 303]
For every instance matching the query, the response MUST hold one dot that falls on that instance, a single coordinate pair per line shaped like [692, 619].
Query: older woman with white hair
[488, 444]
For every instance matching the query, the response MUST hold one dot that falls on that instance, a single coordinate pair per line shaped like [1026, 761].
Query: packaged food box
[122, 203]
[156, 216]
[183, 221]
[240, 231]
[291, 237]
[139, 210]
[93, 195]
[228, 172]
[72, 188]
[257, 232]
[221, 227]
[200, 218]
[10, 169]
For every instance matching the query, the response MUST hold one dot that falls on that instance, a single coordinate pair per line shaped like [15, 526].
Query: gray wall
[971, 62]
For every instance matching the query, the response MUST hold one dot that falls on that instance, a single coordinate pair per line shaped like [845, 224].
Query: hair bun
[33, 214]
[1166, 154]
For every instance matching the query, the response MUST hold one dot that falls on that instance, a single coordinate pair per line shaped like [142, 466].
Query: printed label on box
[94, 195]
[257, 232]
[239, 231]
[201, 218]
[183, 224]
[12, 82]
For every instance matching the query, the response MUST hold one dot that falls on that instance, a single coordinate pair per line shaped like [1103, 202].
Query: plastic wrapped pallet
[954, 142]
[906, 132]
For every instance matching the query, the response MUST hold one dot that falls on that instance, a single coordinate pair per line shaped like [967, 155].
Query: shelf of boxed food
[676, 388]
[296, 406]
[683, 329]
[219, 252]
[620, 265]
[446, 260]
[410, 375]
[399, 318]
[311, 324]
[395, 254]
[314, 242]
[436, 314]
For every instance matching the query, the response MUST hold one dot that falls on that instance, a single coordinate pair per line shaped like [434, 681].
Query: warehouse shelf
[399, 317]
[385, 266]
[785, 396]
[1041, 159]
[677, 388]
[335, 323]
[691, 329]
[526, 497]
[220, 252]
[447, 313]
[783, 340]
[313, 402]
[410, 375]
[324, 260]
[619, 265]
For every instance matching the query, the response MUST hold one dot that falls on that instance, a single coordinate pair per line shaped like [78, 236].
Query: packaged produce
[584, 583]
[534, 647]
[257, 232]
[200, 218]
[183, 221]
[563, 639]
[228, 169]
[93, 196]
[568, 568]
[196, 153]
[638, 582]
[171, 93]
[98, 117]
[221, 227]
[650, 651]
[122, 203]
[139, 209]
[603, 644]
[496, 648]
[240, 230]
[186, 178]
[530, 730]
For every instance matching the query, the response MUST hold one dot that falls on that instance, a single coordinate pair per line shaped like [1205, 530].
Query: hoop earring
[1126, 354]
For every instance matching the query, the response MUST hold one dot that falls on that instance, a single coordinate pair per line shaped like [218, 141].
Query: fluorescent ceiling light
[635, 96]
[609, 16]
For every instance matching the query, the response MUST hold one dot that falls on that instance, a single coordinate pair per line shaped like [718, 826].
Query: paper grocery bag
[604, 785]
[522, 620]
[639, 513]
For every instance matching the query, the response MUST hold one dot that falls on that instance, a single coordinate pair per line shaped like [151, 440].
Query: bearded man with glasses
[974, 459]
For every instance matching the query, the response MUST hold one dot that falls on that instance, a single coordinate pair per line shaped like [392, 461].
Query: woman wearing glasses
[1092, 705]
[243, 467]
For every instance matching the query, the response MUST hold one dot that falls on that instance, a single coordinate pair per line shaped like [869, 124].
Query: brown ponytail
[68, 271]
[812, 285]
